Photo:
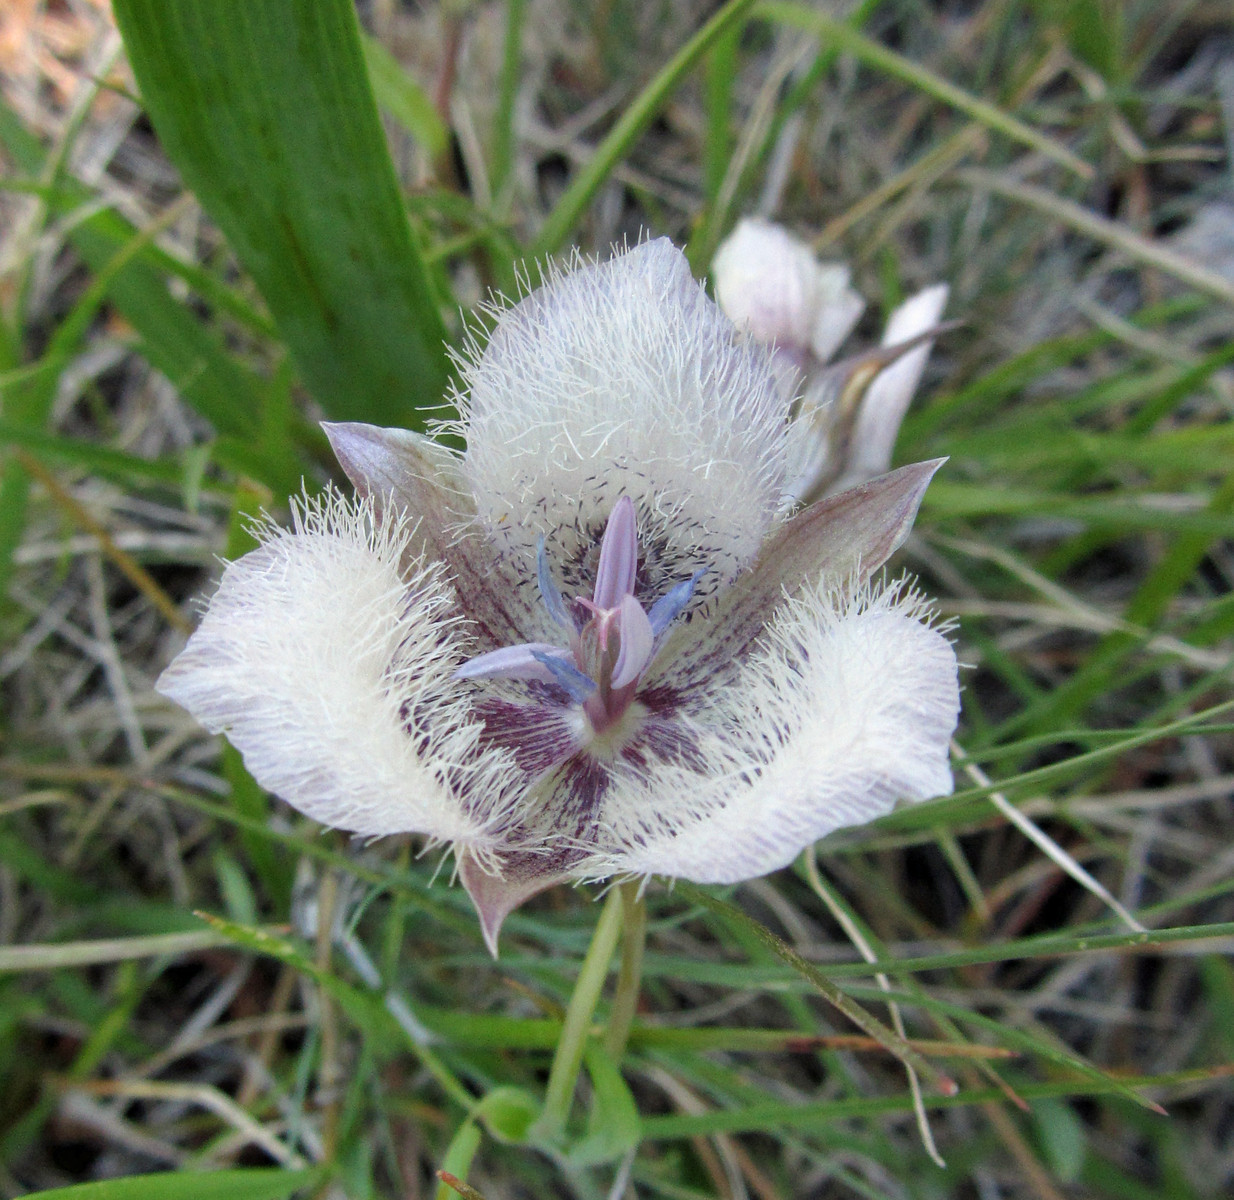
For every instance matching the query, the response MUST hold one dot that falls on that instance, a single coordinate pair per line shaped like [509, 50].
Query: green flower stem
[568, 1057]
[629, 978]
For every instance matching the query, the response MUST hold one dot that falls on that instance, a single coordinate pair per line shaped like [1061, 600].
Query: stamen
[668, 608]
[524, 661]
[594, 672]
[548, 590]
[566, 675]
[618, 556]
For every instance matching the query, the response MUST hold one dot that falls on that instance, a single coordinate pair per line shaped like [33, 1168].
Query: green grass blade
[266, 110]
[888, 1038]
[630, 126]
[881, 59]
[404, 99]
[252, 1184]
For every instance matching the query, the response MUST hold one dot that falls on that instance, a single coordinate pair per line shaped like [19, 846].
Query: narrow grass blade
[637, 116]
[403, 98]
[251, 1184]
[1117, 236]
[886, 1037]
[889, 62]
[56, 956]
[266, 110]
[840, 34]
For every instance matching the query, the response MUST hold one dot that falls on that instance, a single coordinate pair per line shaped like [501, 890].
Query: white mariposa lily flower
[595, 643]
[770, 283]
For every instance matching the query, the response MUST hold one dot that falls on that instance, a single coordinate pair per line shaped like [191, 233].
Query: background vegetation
[178, 311]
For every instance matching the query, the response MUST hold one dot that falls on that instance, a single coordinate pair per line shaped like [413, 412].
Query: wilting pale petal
[623, 378]
[327, 659]
[886, 402]
[839, 310]
[769, 282]
[845, 708]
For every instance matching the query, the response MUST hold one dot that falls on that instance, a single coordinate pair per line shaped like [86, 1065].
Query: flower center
[611, 637]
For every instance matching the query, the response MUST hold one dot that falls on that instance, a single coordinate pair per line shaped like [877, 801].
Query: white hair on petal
[327, 656]
[846, 707]
[619, 378]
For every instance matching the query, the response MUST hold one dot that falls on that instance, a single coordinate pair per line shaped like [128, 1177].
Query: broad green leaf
[133, 274]
[266, 110]
[613, 1125]
[254, 1184]
[1062, 1137]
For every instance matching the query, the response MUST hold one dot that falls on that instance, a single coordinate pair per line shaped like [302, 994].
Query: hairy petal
[846, 707]
[327, 656]
[623, 378]
[841, 540]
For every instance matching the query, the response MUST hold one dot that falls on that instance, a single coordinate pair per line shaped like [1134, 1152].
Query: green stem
[576, 1028]
[459, 1155]
[629, 978]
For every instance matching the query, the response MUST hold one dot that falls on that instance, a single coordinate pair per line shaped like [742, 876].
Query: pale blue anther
[668, 608]
[548, 590]
[523, 661]
[577, 685]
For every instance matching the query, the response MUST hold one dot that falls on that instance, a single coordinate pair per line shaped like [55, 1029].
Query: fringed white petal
[846, 708]
[884, 405]
[623, 378]
[326, 657]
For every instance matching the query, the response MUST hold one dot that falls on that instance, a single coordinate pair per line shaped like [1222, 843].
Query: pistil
[612, 638]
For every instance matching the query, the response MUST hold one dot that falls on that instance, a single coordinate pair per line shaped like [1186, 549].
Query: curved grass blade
[266, 110]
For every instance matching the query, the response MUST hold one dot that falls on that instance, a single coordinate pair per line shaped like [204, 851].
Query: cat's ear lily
[595, 643]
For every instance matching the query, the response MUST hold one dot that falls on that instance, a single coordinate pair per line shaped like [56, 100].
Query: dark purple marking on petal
[577, 798]
[540, 736]
[666, 740]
